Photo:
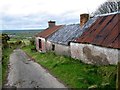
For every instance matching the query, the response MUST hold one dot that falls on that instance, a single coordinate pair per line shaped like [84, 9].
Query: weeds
[74, 73]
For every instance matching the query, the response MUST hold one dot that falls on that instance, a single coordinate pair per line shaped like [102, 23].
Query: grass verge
[5, 61]
[74, 73]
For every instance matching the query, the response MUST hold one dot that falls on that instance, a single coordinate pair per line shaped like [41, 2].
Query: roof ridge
[118, 12]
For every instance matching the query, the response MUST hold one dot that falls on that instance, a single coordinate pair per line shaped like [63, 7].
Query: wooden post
[118, 77]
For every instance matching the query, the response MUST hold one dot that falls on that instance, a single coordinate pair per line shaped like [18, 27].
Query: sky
[35, 14]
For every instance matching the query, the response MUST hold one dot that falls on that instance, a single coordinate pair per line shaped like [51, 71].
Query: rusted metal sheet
[112, 36]
[47, 32]
[116, 43]
[92, 27]
[95, 33]
[104, 32]
[95, 25]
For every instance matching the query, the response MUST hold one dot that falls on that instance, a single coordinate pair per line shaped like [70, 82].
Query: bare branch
[108, 7]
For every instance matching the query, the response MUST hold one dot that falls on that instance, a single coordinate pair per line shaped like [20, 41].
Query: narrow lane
[24, 73]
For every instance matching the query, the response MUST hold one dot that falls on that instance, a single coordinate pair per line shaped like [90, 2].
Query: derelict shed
[69, 33]
[41, 38]
[100, 43]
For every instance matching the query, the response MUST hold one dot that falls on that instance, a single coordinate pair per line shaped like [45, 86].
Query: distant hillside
[22, 34]
[19, 31]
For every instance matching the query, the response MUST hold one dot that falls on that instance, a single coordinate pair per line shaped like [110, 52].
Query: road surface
[25, 73]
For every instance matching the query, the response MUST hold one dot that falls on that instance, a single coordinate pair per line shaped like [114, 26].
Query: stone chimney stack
[51, 23]
[83, 19]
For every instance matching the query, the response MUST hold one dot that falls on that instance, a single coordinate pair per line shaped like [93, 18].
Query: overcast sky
[29, 14]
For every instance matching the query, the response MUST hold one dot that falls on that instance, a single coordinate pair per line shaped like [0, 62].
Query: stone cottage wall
[48, 46]
[92, 54]
[62, 49]
[43, 49]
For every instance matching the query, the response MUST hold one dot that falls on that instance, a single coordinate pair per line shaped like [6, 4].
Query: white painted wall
[59, 49]
[48, 46]
[43, 49]
[109, 53]
[62, 50]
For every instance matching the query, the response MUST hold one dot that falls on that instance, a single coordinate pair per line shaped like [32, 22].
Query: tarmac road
[25, 73]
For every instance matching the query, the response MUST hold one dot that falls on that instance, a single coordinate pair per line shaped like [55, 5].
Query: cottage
[41, 38]
[100, 43]
[61, 39]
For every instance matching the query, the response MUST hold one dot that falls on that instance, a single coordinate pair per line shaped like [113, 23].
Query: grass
[26, 41]
[118, 77]
[12, 40]
[74, 73]
[0, 67]
[5, 60]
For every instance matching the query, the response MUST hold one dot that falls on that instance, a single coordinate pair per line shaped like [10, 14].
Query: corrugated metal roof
[69, 32]
[104, 32]
[49, 31]
[66, 34]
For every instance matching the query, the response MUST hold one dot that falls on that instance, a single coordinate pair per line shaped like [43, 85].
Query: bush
[5, 38]
[18, 42]
[33, 48]
[32, 42]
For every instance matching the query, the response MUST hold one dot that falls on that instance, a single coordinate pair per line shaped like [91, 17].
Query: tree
[5, 38]
[108, 7]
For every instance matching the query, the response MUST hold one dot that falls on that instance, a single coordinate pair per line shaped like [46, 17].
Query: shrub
[18, 42]
[32, 42]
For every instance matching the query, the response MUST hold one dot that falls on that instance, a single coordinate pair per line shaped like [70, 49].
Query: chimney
[51, 23]
[83, 19]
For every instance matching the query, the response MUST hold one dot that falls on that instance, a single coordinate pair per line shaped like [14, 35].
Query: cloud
[20, 14]
[9, 22]
[36, 21]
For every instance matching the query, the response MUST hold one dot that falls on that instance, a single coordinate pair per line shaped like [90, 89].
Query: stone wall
[43, 49]
[62, 49]
[48, 46]
[92, 54]
[58, 49]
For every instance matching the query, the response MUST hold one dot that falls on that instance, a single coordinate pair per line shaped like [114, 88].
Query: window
[40, 44]
[53, 47]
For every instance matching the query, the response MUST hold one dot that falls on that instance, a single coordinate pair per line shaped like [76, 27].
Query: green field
[22, 34]
[74, 73]
[25, 41]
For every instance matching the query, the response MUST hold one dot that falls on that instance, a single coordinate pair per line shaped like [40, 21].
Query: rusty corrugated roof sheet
[105, 31]
[49, 31]
[70, 32]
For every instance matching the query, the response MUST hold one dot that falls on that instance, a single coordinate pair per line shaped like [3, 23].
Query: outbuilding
[41, 38]
[61, 39]
[100, 43]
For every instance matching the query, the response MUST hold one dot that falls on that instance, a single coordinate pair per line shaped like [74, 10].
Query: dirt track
[24, 73]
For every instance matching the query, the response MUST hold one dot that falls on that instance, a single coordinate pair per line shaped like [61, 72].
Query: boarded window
[53, 47]
[40, 43]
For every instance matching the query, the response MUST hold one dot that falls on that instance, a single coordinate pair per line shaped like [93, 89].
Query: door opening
[53, 47]
[40, 44]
